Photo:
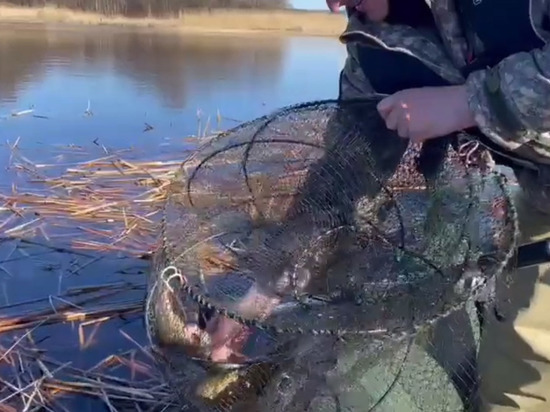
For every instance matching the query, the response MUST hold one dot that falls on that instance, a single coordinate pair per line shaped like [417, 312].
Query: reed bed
[42, 383]
[32, 380]
[105, 205]
[113, 202]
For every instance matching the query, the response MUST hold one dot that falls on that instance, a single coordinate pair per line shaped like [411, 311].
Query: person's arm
[511, 101]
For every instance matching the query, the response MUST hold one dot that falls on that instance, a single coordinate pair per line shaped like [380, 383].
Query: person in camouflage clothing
[451, 65]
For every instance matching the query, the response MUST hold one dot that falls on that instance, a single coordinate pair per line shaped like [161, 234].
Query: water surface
[134, 77]
[106, 85]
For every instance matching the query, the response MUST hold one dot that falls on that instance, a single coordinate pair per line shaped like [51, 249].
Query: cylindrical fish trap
[312, 260]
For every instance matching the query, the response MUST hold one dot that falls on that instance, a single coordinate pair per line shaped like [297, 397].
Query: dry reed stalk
[75, 311]
[31, 320]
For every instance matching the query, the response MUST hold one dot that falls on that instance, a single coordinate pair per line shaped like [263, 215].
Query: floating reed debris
[32, 380]
[108, 204]
[42, 383]
[71, 314]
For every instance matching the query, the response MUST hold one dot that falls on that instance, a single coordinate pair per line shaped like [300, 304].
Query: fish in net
[307, 257]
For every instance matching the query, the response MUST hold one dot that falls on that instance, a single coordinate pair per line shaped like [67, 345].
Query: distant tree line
[151, 8]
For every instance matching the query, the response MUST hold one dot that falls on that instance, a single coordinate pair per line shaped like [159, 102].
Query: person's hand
[427, 113]
[376, 10]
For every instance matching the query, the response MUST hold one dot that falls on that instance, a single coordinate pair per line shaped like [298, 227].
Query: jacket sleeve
[511, 101]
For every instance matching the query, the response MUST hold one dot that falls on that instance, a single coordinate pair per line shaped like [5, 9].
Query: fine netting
[305, 261]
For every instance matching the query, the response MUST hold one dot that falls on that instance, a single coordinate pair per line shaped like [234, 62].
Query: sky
[309, 4]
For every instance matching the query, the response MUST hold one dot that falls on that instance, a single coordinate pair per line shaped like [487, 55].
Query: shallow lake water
[102, 88]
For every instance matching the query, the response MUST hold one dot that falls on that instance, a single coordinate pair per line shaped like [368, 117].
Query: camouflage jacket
[519, 83]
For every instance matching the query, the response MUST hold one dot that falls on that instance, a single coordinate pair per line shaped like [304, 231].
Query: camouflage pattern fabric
[522, 81]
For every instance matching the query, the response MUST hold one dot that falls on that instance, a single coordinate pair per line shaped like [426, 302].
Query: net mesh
[308, 256]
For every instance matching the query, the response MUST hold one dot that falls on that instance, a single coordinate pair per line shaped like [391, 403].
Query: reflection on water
[163, 79]
[127, 79]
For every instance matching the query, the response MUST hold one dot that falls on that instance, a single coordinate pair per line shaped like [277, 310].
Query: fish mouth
[212, 337]
[223, 338]
[218, 342]
[228, 340]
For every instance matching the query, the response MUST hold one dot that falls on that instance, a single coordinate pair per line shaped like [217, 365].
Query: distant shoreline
[277, 22]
